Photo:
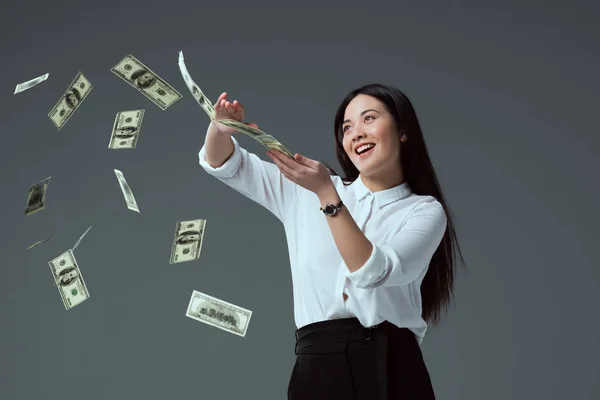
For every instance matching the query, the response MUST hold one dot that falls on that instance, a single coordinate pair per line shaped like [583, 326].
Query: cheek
[347, 146]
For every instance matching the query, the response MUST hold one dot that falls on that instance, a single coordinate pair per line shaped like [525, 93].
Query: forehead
[362, 102]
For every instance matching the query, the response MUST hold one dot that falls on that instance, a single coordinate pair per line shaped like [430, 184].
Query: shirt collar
[381, 197]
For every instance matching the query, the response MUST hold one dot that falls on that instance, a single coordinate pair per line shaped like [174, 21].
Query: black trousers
[341, 359]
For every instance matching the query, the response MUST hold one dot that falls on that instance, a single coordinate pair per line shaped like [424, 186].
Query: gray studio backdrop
[506, 94]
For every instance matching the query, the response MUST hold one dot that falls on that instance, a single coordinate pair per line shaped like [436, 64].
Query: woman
[372, 255]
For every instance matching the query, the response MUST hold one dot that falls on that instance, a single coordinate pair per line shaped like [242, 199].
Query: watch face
[329, 209]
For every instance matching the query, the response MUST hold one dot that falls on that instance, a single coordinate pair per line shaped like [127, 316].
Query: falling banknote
[80, 239]
[187, 243]
[266, 140]
[39, 242]
[36, 200]
[218, 313]
[126, 129]
[70, 101]
[21, 87]
[146, 81]
[127, 193]
[69, 280]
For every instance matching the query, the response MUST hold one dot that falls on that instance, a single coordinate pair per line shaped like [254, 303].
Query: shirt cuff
[371, 272]
[229, 167]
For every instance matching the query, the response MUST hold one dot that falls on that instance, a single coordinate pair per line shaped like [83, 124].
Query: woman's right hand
[228, 110]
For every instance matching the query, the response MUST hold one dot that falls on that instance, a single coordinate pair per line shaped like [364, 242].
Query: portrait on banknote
[67, 276]
[126, 132]
[72, 98]
[198, 96]
[188, 237]
[143, 79]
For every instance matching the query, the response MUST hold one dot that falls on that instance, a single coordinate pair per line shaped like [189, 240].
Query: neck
[383, 181]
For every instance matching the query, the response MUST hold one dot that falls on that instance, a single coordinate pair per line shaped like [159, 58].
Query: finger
[281, 155]
[221, 97]
[284, 159]
[305, 160]
[284, 168]
[287, 173]
[253, 125]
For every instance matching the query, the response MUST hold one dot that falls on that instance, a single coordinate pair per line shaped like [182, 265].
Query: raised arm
[218, 146]
[222, 157]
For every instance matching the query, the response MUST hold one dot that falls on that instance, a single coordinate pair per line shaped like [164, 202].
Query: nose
[357, 134]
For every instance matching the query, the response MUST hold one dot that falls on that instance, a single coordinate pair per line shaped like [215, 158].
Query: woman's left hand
[310, 174]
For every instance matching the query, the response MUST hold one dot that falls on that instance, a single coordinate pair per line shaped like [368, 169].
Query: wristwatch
[331, 209]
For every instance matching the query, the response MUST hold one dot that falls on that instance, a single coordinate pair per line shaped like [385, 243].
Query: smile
[366, 153]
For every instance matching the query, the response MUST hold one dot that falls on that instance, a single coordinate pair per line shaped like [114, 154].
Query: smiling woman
[371, 142]
[371, 254]
[386, 117]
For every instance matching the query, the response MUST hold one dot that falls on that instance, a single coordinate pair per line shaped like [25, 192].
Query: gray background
[507, 96]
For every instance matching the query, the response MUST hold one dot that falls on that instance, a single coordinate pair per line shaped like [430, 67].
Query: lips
[366, 153]
[361, 145]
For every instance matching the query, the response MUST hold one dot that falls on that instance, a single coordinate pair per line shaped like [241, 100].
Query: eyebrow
[362, 113]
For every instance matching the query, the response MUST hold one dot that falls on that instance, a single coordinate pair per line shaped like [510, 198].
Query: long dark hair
[438, 285]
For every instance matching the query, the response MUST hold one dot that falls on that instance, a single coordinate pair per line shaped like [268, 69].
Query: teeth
[364, 147]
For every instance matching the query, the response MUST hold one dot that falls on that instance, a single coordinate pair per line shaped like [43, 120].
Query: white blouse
[404, 228]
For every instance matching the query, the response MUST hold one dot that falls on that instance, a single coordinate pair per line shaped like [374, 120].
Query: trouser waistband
[350, 329]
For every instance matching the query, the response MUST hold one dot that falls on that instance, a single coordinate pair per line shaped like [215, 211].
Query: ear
[403, 138]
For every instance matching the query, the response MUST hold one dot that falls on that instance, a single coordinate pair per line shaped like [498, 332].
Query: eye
[347, 126]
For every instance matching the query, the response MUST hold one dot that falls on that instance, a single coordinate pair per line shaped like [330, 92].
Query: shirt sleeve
[256, 179]
[407, 254]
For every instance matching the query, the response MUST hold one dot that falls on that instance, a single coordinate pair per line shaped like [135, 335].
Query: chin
[369, 167]
[364, 171]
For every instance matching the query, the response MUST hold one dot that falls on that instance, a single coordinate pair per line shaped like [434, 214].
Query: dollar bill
[127, 193]
[218, 313]
[126, 129]
[21, 87]
[187, 242]
[146, 81]
[36, 200]
[39, 242]
[204, 102]
[81, 238]
[69, 280]
[77, 91]
[265, 139]
[261, 137]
